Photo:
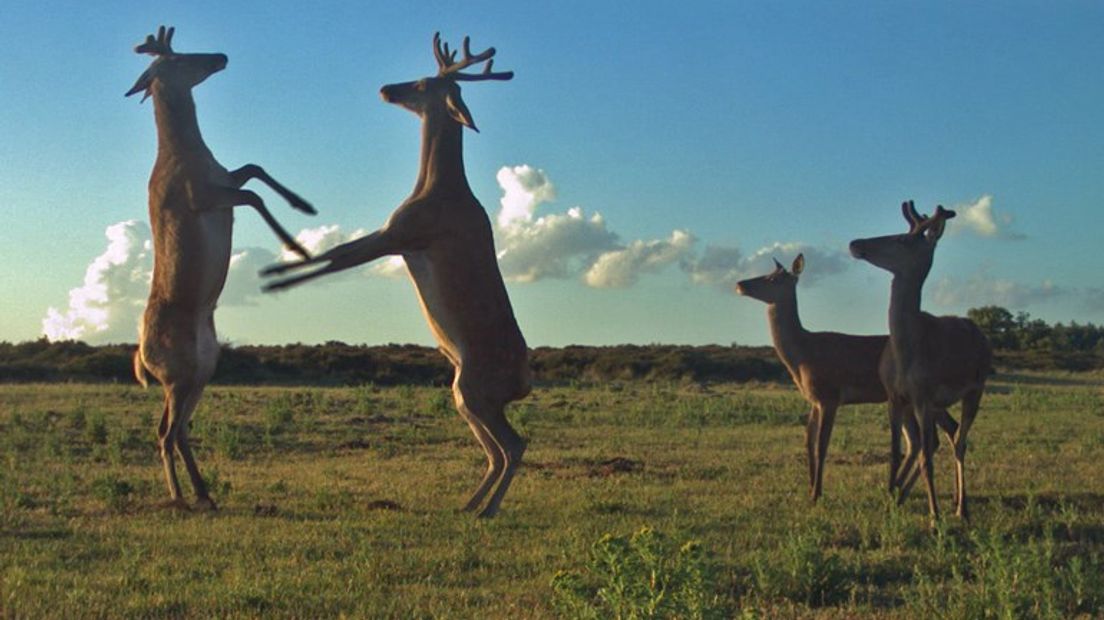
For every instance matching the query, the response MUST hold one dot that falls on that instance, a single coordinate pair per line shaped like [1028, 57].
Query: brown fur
[445, 238]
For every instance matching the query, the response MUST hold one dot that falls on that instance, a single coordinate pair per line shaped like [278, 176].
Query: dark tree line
[337, 363]
[1019, 342]
[1033, 343]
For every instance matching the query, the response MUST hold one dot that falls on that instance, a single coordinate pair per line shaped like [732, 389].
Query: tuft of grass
[999, 576]
[113, 491]
[804, 570]
[641, 575]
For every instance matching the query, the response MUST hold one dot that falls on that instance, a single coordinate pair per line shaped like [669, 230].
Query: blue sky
[647, 157]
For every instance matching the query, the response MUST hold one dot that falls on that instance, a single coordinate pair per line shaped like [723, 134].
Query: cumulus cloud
[552, 246]
[524, 188]
[532, 247]
[108, 305]
[243, 282]
[983, 290]
[622, 268]
[979, 218]
[723, 266]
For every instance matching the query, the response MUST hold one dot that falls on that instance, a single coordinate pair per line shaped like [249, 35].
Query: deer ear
[798, 265]
[458, 111]
[935, 231]
[143, 83]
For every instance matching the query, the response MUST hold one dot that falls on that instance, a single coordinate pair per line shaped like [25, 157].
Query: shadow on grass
[1023, 379]
[52, 533]
[1046, 502]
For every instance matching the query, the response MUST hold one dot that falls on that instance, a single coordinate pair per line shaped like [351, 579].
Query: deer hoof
[177, 505]
[206, 504]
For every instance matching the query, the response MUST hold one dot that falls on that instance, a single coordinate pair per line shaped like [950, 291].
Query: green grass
[635, 500]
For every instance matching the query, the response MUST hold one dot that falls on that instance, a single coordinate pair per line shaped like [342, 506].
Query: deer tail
[140, 372]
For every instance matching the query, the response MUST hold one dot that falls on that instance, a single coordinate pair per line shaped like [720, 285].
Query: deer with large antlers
[444, 236]
[830, 369]
[191, 201]
[935, 361]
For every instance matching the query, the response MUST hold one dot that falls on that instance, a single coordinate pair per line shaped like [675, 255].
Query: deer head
[910, 253]
[439, 97]
[175, 72]
[777, 286]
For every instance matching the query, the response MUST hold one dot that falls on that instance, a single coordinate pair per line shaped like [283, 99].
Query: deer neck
[177, 127]
[905, 331]
[787, 334]
[442, 159]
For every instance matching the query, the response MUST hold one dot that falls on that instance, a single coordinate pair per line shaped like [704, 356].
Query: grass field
[635, 500]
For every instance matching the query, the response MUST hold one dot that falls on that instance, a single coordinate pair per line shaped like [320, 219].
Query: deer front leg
[253, 171]
[810, 451]
[896, 422]
[344, 256]
[826, 420]
[229, 197]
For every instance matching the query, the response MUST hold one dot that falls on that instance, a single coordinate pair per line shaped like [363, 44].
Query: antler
[448, 66]
[161, 46]
[915, 220]
[918, 222]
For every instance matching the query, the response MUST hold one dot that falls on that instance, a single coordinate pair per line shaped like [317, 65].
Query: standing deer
[191, 201]
[444, 236]
[829, 369]
[935, 361]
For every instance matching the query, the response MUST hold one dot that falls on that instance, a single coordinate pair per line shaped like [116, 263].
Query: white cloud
[524, 188]
[106, 306]
[979, 218]
[243, 282]
[553, 246]
[983, 290]
[531, 248]
[723, 266]
[622, 268]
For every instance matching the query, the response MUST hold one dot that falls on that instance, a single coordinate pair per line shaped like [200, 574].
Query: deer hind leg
[183, 446]
[166, 441]
[970, 404]
[504, 448]
[826, 420]
[944, 420]
[496, 459]
[926, 420]
[901, 423]
[512, 446]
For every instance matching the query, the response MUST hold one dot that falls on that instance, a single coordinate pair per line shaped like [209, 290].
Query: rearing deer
[191, 201]
[444, 236]
[829, 369]
[935, 361]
